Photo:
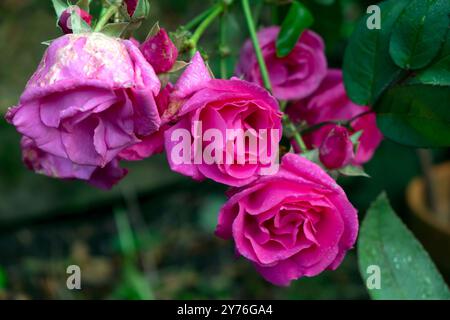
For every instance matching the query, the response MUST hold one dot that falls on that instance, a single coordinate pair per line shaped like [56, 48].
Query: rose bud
[131, 6]
[160, 51]
[330, 103]
[65, 21]
[336, 150]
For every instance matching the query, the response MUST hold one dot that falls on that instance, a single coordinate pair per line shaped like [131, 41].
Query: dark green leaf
[95, 9]
[297, 20]
[368, 67]
[3, 279]
[115, 29]
[438, 73]
[406, 270]
[419, 33]
[416, 115]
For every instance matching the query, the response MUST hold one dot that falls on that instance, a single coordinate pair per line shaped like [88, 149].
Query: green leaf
[419, 33]
[406, 270]
[353, 171]
[354, 138]
[416, 115]
[297, 20]
[311, 155]
[115, 29]
[60, 6]
[126, 234]
[3, 279]
[368, 67]
[154, 30]
[438, 73]
[142, 10]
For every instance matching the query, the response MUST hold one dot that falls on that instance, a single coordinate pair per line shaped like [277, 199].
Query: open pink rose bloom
[221, 105]
[91, 98]
[293, 77]
[295, 223]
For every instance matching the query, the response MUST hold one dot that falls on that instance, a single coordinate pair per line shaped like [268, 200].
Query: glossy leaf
[438, 73]
[297, 20]
[419, 33]
[406, 270]
[368, 67]
[416, 115]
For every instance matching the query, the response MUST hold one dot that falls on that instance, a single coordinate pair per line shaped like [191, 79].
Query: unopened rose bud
[65, 21]
[336, 150]
[160, 51]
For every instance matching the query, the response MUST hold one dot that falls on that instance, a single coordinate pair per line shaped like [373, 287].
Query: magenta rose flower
[293, 77]
[295, 223]
[330, 103]
[160, 51]
[91, 97]
[336, 150]
[64, 21]
[230, 109]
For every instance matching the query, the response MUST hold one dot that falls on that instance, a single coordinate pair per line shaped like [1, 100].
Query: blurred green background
[152, 236]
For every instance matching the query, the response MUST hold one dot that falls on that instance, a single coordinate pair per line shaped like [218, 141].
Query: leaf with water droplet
[407, 272]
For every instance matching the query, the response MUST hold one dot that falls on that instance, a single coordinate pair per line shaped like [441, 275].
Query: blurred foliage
[152, 236]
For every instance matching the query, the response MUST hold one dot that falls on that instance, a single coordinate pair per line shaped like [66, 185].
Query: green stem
[296, 135]
[218, 9]
[223, 48]
[191, 24]
[254, 38]
[105, 18]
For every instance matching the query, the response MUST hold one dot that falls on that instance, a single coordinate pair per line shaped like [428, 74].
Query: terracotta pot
[432, 227]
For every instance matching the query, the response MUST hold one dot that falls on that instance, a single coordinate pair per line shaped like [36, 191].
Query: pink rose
[202, 105]
[160, 51]
[296, 223]
[91, 97]
[64, 21]
[154, 143]
[336, 150]
[331, 103]
[293, 77]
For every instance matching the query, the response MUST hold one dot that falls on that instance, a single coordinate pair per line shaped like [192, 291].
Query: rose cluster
[95, 101]
[317, 98]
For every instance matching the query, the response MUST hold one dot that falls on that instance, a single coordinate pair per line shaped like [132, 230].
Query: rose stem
[223, 49]
[290, 125]
[259, 56]
[218, 9]
[105, 18]
[198, 19]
